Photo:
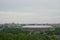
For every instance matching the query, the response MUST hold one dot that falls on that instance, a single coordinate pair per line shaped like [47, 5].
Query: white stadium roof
[37, 26]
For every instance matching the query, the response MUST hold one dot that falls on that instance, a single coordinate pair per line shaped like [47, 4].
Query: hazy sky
[30, 11]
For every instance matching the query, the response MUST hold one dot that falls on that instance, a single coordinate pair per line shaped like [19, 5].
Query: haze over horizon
[30, 11]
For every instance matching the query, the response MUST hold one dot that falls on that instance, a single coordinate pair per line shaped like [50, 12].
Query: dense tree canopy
[18, 34]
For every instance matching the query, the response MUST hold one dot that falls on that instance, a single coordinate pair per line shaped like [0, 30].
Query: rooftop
[37, 26]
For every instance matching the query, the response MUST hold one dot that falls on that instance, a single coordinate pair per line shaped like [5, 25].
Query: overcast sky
[30, 11]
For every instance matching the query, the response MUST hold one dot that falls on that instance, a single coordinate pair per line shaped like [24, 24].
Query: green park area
[18, 34]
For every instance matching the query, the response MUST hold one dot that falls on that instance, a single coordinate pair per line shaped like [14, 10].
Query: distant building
[38, 28]
[13, 25]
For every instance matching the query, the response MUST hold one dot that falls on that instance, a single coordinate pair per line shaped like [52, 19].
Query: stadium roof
[37, 26]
